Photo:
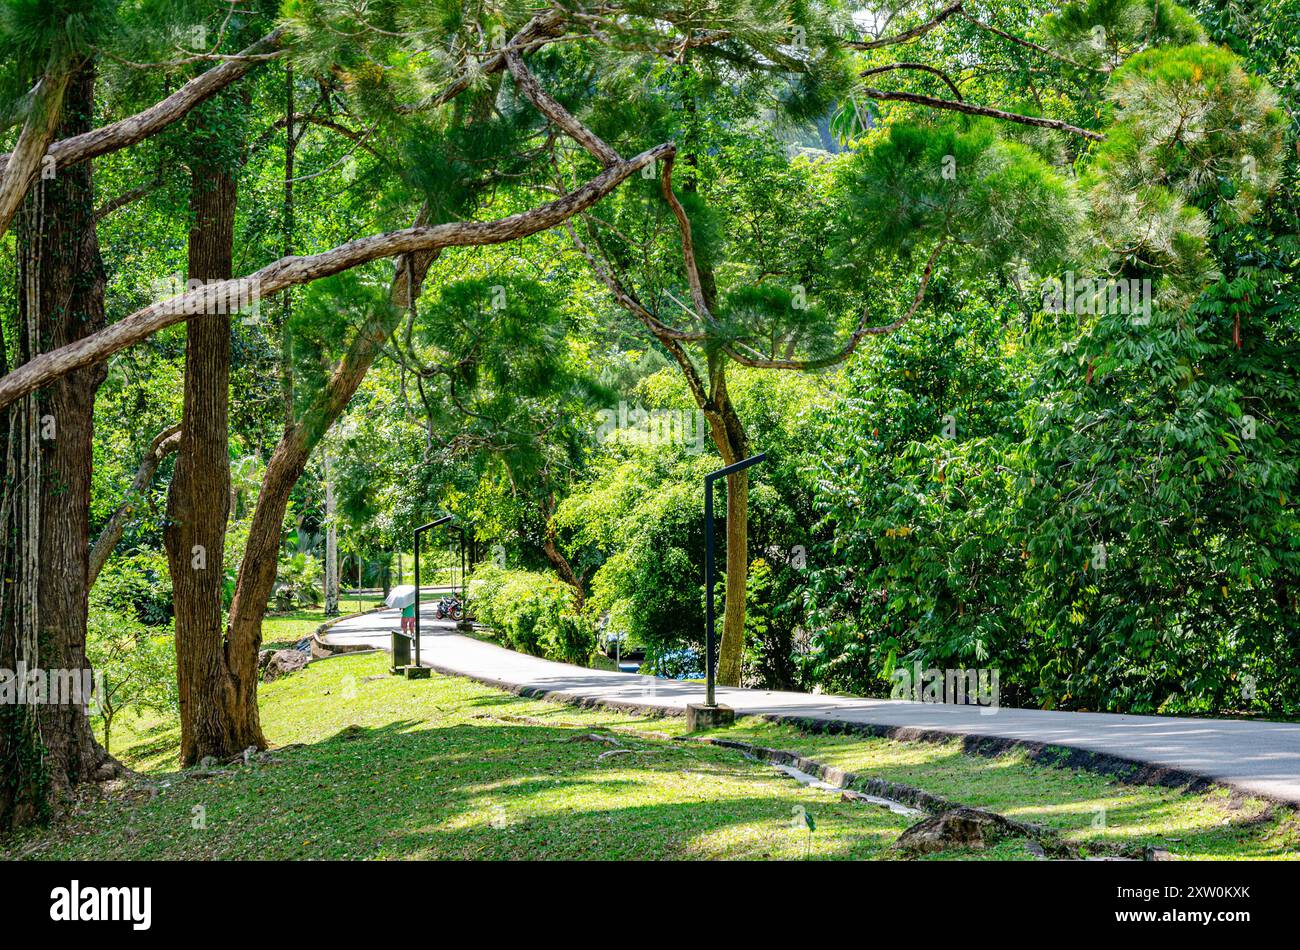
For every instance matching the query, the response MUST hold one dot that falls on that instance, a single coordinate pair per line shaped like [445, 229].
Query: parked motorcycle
[449, 608]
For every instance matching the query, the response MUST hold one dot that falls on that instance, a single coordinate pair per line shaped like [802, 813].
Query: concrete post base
[699, 716]
[416, 672]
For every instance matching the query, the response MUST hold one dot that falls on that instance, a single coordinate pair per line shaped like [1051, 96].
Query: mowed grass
[370, 766]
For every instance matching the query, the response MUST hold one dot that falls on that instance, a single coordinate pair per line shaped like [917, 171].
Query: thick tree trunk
[72, 307]
[24, 776]
[216, 675]
[49, 469]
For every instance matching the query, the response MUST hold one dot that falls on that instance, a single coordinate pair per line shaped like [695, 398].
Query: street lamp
[417, 671]
[710, 713]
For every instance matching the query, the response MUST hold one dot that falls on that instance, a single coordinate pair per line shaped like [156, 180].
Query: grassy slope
[391, 768]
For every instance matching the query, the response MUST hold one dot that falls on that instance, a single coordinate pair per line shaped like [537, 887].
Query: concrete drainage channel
[943, 824]
[812, 781]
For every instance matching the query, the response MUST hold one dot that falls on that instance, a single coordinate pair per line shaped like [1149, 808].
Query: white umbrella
[403, 595]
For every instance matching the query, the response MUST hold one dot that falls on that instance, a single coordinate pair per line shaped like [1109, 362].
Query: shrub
[137, 586]
[136, 664]
[532, 612]
[298, 582]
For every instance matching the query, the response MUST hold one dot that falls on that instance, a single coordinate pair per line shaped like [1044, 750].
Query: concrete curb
[321, 650]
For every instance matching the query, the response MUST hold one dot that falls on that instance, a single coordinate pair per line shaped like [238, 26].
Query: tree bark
[216, 675]
[331, 546]
[24, 778]
[163, 444]
[49, 466]
[733, 445]
[28, 157]
[553, 554]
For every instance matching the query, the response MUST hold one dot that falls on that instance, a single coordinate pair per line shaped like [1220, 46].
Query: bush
[533, 613]
[298, 582]
[137, 586]
[136, 665]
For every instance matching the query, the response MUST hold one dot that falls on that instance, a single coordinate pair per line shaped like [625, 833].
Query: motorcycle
[449, 608]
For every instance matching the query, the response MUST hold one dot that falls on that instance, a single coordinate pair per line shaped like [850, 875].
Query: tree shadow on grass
[408, 789]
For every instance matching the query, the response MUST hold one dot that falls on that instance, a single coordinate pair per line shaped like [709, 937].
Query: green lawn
[373, 766]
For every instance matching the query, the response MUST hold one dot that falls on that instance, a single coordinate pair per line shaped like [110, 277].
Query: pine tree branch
[1027, 44]
[549, 107]
[292, 271]
[908, 35]
[133, 129]
[918, 66]
[970, 109]
[126, 198]
[24, 164]
[746, 355]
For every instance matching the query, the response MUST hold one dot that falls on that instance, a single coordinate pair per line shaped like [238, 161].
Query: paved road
[1259, 757]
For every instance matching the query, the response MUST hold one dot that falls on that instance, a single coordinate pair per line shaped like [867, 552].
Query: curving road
[1258, 757]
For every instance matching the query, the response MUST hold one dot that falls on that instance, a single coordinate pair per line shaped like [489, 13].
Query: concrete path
[1258, 757]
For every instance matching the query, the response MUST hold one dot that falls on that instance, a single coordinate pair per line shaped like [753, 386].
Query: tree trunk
[216, 675]
[733, 445]
[558, 561]
[261, 551]
[331, 546]
[24, 776]
[48, 464]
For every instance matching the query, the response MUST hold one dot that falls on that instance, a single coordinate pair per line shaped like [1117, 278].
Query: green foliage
[1192, 120]
[915, 186]
[135, 666]
[298, 582]
[532, 613]
[137, 586]
[916, 560]
[1103, 33]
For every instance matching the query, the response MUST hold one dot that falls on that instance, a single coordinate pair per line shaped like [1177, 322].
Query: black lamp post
[417, 671]
[711, 714]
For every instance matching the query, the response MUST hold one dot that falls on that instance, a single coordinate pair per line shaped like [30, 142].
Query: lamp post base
[700, 716]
